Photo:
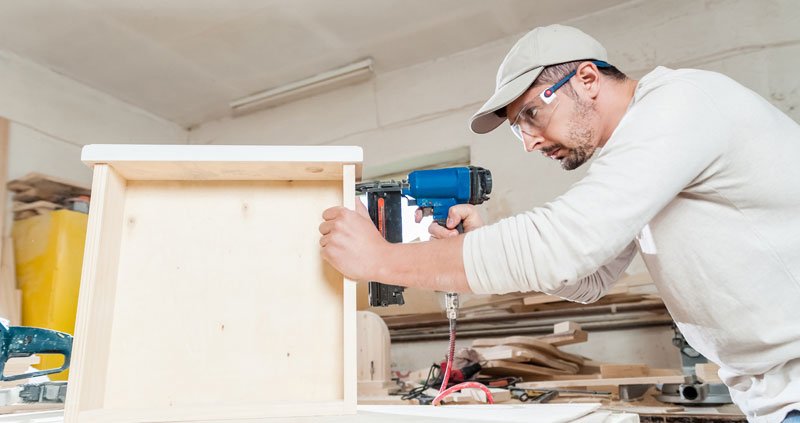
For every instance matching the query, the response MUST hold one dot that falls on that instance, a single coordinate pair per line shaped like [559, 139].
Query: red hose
[444, 391]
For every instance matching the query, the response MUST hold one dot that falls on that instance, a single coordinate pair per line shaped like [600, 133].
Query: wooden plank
[509, 368]
[529, 343]
[225, 277]
[36, 186]
[524, 355]
[218, 162]
[707, 372]
[374, 357]
[565, 338]
[349, 340]
[539, 413]
[477, 396]
[46, 205]
[609, 371]
[96, 298]
[602, 382]
[541, 298]
[566, 327]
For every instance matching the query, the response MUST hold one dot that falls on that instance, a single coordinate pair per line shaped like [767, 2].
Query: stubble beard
[581, 134]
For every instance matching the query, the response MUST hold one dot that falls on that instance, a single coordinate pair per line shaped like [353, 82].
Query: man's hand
[351, 243]
[466, 213]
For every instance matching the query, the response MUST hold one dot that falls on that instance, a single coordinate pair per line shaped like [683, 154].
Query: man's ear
[587, 76]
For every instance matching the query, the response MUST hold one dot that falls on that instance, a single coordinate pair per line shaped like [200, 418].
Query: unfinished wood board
[477, 396]
[524, 355]
[219, 162]
[529, 343]
[39, 187]
[540, 413]
[565, 338]
[609, 371]
[541, 298]
[602, 382]
[566, 327]
[506, 368]
[374, 358]
[707, 372]
[208, 299]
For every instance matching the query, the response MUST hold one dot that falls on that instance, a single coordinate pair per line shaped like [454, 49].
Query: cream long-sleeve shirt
[702, 176]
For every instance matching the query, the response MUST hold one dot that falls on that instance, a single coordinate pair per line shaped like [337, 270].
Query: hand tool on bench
[23, 341]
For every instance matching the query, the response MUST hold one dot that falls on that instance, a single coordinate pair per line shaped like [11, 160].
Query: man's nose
[532, 142]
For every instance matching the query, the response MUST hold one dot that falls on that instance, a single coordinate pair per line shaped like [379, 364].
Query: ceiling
[185, 60]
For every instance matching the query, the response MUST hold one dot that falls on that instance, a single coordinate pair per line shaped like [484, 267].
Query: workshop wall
[52, 117]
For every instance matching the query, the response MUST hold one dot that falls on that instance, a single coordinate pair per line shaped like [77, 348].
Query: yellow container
[49, 256]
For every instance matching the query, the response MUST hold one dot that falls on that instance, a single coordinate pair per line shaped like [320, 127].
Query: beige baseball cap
[544, 46]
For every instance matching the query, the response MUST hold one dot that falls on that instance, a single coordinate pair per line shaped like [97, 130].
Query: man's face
[567, 133]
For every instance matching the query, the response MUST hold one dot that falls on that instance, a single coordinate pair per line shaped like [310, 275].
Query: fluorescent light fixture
[326, 81]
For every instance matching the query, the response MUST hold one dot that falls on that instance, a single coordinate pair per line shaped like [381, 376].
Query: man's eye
[529, 113]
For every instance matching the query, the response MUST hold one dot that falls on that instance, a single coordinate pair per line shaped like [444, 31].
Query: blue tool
[22, 341]
[439, 189]
[435, 191]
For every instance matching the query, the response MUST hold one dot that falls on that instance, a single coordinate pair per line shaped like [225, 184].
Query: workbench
[419, 414]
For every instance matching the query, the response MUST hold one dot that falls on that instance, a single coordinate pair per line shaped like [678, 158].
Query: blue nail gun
[435, 191]
[22, 341]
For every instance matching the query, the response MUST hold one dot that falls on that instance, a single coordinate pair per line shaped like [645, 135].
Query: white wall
[425, 108]
[53, 116]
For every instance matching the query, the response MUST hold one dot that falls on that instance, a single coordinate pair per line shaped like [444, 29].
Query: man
[696, 172]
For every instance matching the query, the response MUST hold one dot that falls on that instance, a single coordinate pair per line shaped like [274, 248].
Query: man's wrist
[388, 268]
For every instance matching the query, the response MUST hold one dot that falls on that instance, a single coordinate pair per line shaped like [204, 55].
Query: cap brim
[485, 120]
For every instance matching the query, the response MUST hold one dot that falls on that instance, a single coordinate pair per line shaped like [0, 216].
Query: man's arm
[672, 138]
[654, 158]
[352, 244]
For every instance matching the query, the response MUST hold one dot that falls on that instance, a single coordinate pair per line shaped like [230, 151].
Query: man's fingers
[438, 231]
[326, 227]
[418, 215]
[458, 213]
[332, 212]
[323, 241]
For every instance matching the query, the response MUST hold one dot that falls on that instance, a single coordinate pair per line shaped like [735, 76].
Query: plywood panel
[214, 162]
[208, 300]
[87, 380]
[246, 264]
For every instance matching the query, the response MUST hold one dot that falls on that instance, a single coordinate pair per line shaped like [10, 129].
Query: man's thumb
[361, 209]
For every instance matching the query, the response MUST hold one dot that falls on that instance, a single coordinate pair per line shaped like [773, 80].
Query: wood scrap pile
[633, 302]
[530, 357]
[35, 194]
[542, 366]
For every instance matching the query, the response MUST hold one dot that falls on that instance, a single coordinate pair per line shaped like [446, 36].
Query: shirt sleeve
[669, 137]
[591, 288]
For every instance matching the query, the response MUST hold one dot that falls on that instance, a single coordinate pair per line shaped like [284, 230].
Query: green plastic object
[23, 341]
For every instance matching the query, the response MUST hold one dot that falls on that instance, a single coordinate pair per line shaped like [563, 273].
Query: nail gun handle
[21, 341]
[459, 227]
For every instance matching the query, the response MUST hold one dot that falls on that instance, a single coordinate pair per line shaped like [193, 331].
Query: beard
[581, 134]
